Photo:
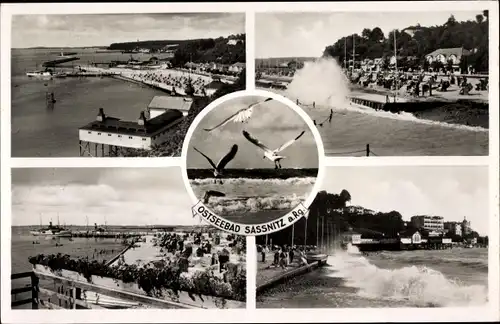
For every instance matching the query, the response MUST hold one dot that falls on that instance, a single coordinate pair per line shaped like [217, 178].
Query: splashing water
[322, 82]
[420, 285]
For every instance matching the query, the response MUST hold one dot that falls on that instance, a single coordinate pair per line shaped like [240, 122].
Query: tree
[366, 33]
[449, 65]
[345, 195]
[485, 14]
[377, 35]
[479, 18]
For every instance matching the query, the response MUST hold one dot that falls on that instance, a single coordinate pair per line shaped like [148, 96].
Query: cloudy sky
[120, 196]
[102, 30]
[451, 192]
[272, 123]
[307, 34]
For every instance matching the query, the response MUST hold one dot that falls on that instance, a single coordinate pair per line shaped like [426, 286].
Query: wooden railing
[67, 294]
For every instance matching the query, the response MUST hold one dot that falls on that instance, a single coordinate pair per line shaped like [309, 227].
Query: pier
[265, 282]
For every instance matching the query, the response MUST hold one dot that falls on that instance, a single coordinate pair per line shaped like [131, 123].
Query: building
[466, 228]
[453, 227]
[237, 67]
[116, 134]
[444, 55]
[351, 237]
[162, 104]
[412, 236]
[429, 223]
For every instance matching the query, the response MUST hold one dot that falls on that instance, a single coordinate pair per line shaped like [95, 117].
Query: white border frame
[264, 94]
[489, 312]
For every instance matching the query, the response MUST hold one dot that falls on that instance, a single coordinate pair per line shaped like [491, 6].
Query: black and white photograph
[118, 85]
[118, 238]
[252, 159]
[383, 236]
[382, 83]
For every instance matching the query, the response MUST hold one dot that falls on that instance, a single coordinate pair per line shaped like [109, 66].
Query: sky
[272, 123]
[451, 192]
[119, 196]
[307, 34]
[104, 29]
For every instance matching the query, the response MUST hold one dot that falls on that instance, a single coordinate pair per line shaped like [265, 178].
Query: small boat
[39, 74]
[316, 257]
[60, 75]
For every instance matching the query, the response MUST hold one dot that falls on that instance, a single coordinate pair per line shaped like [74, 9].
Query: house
[453, 227]
[351, 237]
[237, 67]
[444, 55]
[232, 42]
[411, 236]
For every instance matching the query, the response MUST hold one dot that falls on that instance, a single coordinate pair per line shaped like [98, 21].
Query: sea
[41, 132]
[254, 201]
[352, 128]
[24, 247]
[431, 278]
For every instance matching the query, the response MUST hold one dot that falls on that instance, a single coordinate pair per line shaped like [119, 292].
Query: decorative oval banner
[252, 161]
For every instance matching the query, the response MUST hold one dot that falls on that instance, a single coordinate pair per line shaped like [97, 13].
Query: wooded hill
[419, 41]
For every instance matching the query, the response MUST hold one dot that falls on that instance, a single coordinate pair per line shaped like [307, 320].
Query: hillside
[224, 50]
[418, 41]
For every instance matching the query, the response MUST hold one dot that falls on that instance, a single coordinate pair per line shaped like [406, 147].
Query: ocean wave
[260, 182]
[232, 205]
[438, 258]
[406, 116]
[420, 285]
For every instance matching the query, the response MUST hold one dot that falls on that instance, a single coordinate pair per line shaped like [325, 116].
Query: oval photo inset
[252, 163]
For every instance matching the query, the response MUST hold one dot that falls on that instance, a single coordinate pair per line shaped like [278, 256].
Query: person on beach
[282, 260]
[276, 257]
[291, 255]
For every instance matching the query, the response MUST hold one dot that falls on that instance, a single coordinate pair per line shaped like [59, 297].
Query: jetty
[269, 277]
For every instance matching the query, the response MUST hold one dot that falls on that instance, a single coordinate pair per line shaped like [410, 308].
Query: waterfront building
[411, 236]
[162, 104]
[453, 227]
[443, 55]
[429, 223]
[351, 237]
[114, 134]
[466, 228]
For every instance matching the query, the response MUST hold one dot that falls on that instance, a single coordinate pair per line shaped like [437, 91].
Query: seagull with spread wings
[219, 167]
[241, 116]
[271, 154]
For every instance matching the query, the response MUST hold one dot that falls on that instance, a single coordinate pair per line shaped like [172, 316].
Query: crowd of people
[184, 247]
[177, 82]
[283, 256]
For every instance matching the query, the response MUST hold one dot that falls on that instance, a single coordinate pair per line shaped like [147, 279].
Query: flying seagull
[241, 116]
[218, 169]
[212, 193]
[271, 154]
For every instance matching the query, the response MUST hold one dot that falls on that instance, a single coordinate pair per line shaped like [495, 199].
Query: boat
[316, 257]
[39, 74]
[60, 75]
[51, 230]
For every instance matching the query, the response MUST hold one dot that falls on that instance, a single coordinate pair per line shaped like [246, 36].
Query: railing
[67, 294]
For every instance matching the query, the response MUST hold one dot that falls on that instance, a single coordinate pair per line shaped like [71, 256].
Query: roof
[457, 51]
[239, 64]
[408, 233]
[117, 126]
[169, 102]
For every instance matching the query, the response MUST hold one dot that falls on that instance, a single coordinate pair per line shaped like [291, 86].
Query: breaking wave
[231, 205]
[420, 285]
[324, 83]
[260, 182]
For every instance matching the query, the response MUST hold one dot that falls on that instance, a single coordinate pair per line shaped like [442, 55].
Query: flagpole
[305, 234]
[396, 67]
